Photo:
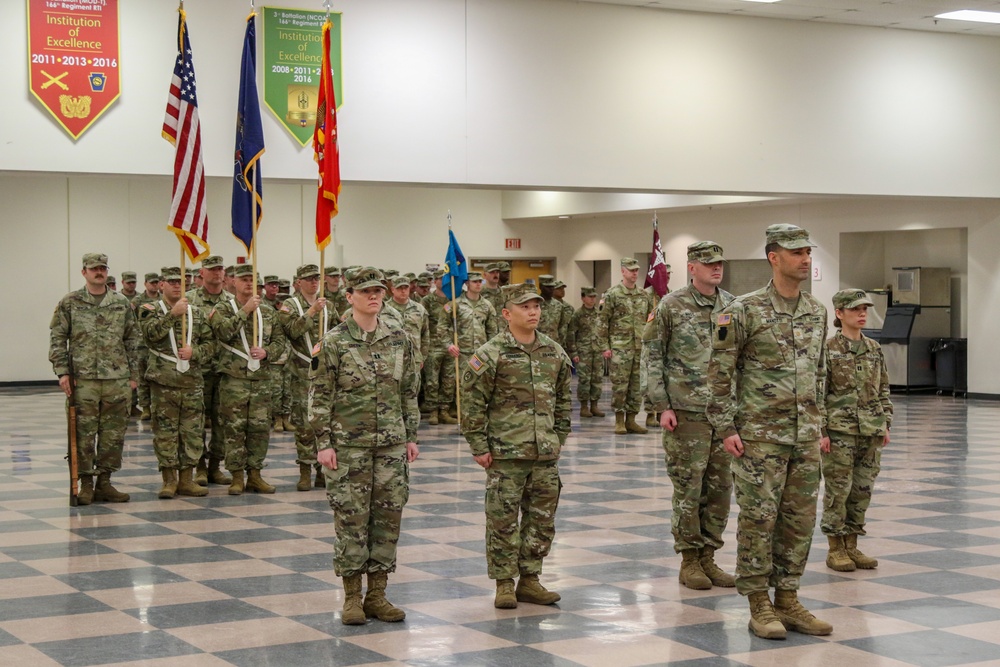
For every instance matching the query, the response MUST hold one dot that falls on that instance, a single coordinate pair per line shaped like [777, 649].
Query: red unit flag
[326, 148]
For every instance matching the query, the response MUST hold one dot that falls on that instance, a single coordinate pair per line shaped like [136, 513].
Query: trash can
[951, 365]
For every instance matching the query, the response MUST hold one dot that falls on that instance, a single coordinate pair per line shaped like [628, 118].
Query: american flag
[181, 127]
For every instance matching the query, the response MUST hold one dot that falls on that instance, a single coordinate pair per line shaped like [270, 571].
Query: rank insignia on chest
[724, 320]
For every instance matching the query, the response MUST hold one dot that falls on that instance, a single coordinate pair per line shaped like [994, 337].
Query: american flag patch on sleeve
[476, 363]
[724, 320]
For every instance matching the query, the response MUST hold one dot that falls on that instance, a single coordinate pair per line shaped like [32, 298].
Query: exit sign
[513, 244]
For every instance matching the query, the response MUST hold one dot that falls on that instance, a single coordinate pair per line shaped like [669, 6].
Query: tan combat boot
[85, 495]
[620, 424]
[594, 410]
[305, 477]
[145, 415]
[104, 491]
[691, 574]
[187, 487]
[169, 489]
[256, 483]
[862, 561]
[585, 410]
[201, 473]
[763, 621]
[353, 612]
[320, 478]
[505, 598]
[651, 420]
[529, 589]
[795, 617]
[716, 575]
[837, 558]
[236, 487]
[433, 419]
[631, 426]
[287, 421]
[216, 475]
[376, 605]
[276, 424]
[444, 417]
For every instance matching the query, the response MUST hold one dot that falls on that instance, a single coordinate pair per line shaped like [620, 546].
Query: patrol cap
[128, 276]
[519, 293]
[546, 280]
[306, 271]
[557, 284]
[408, 278]
[284, 282]
[475, 277]
[851, 298]
[503, 267]
[425, 275]
[243, 270]
[630, 263]
[231, 270]
[170, 273]
[364, 278]
[270, 279]
[111, 280]
[492, 266]
[331, 271]
[588, 291]
[438, 274]
[391, 275]
[92, 260]
[213, 262]
[153, 277]
[705, 252]
[789, 237]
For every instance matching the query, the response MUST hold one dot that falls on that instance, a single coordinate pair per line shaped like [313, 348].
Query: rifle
[74, 475]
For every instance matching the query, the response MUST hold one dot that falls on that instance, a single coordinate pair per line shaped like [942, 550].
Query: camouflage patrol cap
[307, 271]
[284, 282]
[270, 279]
[243, 270]
[391, 274]
[425, 275]
[519, 293]
[231, 270]
[92, 260]
[331, 271]
[588, 291]
[705, 252]
[170, 273]
[789, 237]
[557, 284]
[851, 298]
[629, 263]
[111, 280]
[128, 276]
[546, 280]
[408, 278]
[213, 262]
[503, 267]
[475, 277]
[365, 277]
[438, 274]
[153, 277]
[423, 282]
[491, 267]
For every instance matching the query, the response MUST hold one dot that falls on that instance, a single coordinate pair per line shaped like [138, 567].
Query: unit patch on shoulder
[724, 320]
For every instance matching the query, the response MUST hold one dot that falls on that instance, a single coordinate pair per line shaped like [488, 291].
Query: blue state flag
[249, 145]
[455, 267]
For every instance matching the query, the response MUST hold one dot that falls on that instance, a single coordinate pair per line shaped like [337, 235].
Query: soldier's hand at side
[327, 458]
[412, 451]
[885, 441]
[668, 420]
[607, 354]
[576, 359]
[824, 444]
[185, 353]
[180, 308]
[453, 351]
[132, 384]
[734, 445]
[252, 304]
[65, 383]
[485, 460]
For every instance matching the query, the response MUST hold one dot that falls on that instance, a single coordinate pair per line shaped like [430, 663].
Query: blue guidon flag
[249, 145]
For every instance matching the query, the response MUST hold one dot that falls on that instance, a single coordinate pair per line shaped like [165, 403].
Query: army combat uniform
[583, 343]
[438, 394]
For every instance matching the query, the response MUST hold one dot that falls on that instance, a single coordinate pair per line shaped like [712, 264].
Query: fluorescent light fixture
[971, 15]
[768, 1]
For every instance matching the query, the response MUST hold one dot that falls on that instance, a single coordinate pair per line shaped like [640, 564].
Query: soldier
[334, 292]
[679, 346]
[475, 321]
[491, 290]
[128, 285]
[244, 390]
[652, 417]
[766, 380]
[230, 277]
[438, 394]
[284, 288]
[150, 295]
[207, 297]
[414, 317]
[504, 269]
[301, 316]
[553, 322]
[623, 318]
[558, 295]
[366, 419]
[92, 347]
[271, 286]
[858, 417]
[173, 371]
[422, 289]
[516, 416]
[585, 349]
[112, 284]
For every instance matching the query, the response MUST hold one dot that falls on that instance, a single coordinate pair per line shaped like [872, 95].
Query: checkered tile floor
[247, 580]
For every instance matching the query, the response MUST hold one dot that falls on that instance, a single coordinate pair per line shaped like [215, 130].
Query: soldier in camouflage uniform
[150, 295]
[516, 417]
[333, 291]
[559, 296]
[207, 297]
[422, 289]
[491, 291]
[652, 417]
[858, 417]
[413, 316]
[584, 347]
[475, 321]
[554, 323]
[128, 285]
[173, 371]
[92, 347]
[365, 412]
[679, 346]
[438, 394]
[301, 316]
[504, 269]
[244, 388]
[767, 379]
[271, 286]
[281, 386]
[623, 318]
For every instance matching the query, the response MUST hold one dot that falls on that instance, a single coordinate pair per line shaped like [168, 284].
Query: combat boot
[620, 424]
[353, 612]
[433, 419]
[305, 477]
[287, 421]
[529, 589]
[691, 574]
[505, 597]
[444, 417]
[216, 475]
[276, 424]
[453, 411]
[763, 621]
[631, 426]
[860, 560]
[715, 573]
[187, 487]
[107, 493]
[837, 558]
[594, 410]
[236, 487]
[585, 410]
[85, 495]
[795, 617]
[201, 473]
[320, 478]
[145, 415]
[376, 605]
[169, 489]
[256, 483]
[651, 420]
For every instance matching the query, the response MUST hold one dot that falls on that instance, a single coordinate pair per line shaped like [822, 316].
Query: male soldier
[766, 380]
[173, 372]
[244, 390]
[438, 394]
[422, 289]
[366, 419]
[128, 285]
[504, 268]
[553, 322]
[284, 288]
[92, 347]
[414, 317]
[516, 416]
[652, 417]
[558, 295]
[623, 318]
[271, 286]
[585, 350]
[491, 290]
[112, 284]
[230, 275]
[303, 316]
[679, 346]
[150, 295]
[207, 297]
[333, 292]
[476, 324]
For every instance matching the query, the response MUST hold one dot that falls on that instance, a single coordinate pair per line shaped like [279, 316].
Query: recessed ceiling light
[768, 1]
[971, 15]
[564, 217]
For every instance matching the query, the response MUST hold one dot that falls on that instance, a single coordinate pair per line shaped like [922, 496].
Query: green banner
[293, 53]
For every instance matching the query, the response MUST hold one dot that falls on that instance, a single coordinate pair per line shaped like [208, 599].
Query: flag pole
[454, 332]
[253, 245]
[183, 290]
[322, 293]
